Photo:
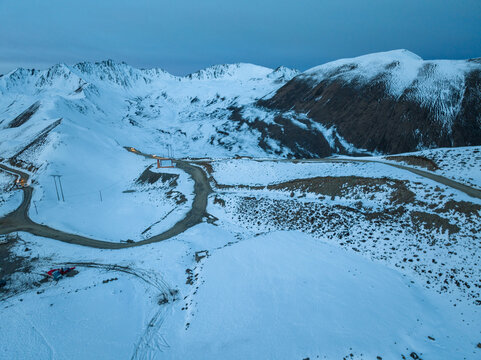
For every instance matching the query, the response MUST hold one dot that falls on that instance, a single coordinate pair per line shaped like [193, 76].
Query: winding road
[19, 219]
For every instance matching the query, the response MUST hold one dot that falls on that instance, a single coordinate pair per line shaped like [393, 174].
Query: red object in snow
[62, 271]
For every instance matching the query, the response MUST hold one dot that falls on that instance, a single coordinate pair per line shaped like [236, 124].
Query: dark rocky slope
[438, 107]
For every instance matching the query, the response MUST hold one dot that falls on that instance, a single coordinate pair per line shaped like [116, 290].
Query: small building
[20, 183]
[163, 162]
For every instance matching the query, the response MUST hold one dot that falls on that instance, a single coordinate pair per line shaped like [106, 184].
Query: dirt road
[19, 220]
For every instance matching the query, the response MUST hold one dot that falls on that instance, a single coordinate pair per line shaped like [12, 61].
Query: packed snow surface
[264, 172]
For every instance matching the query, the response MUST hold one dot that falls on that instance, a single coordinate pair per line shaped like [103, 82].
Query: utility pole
[100, 193]
[61, 188]
[35, 204]
[56, 189]
[60, 184]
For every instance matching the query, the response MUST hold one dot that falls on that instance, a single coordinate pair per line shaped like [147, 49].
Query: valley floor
[295, 260]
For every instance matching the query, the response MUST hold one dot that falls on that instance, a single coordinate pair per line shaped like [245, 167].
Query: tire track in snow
[151, 341]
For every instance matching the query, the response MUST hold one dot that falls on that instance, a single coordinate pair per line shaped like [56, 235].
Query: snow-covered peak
[239, 71]
[399, 70]
[18, 78]
[109, 71]
[58, 78]
[368, 66]
[283, 73]
[159, 74]
[369, 62]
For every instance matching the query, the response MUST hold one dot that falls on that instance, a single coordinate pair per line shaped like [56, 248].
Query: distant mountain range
[380, 103]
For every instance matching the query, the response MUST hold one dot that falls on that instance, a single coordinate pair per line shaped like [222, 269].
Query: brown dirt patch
[247, 187]
[220, 201]
[464, 207]
[401, 194]
[433, 222]
[415, 160]
[151, 177]
[343, 185]
[10, 263]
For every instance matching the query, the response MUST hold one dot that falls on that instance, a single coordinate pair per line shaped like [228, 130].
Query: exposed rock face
[381, 106]
[24, 116]
[302, 142]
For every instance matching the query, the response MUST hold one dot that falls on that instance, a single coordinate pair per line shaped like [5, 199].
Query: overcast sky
[183, 36]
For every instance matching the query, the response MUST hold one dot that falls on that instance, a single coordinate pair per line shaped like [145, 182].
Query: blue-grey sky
[183, 36]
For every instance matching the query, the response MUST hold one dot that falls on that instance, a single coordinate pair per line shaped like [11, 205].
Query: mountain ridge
[387, 102]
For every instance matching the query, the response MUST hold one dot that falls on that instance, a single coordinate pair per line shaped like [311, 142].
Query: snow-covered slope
[401, 68]
[75, 121]
[190, 112]
[239, 71]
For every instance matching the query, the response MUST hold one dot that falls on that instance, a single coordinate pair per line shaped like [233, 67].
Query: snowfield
[117, 208]
[264, 172]
[278, 259]
[281, 295]
[288, 296]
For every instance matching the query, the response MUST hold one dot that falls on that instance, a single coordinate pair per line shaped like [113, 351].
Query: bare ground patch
[10, 264]
[24, 116]
[464, 207]
[433, 222]
[150, 177]
[343, 186]
[415, 160]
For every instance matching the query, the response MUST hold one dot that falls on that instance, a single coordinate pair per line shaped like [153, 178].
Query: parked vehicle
[56, 274]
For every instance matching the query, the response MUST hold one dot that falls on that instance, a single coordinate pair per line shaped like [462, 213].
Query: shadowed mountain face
[437, 107]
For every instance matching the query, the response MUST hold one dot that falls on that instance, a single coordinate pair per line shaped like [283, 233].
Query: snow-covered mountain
[116, 103]
[374, 257]
[380, 103]
[386, 102]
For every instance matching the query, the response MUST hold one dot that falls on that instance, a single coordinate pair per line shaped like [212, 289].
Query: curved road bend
[19, 220]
